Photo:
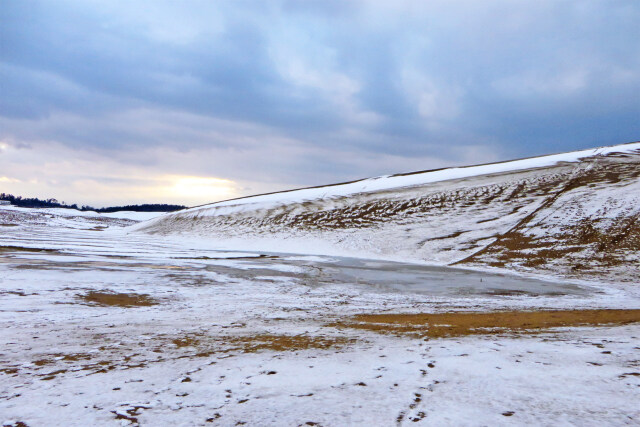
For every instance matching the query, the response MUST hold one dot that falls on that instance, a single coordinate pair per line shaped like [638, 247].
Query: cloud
[6, 179]
[292, 93]
[163, 173]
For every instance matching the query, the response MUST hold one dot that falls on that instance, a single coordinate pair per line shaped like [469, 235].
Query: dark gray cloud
[411, 79]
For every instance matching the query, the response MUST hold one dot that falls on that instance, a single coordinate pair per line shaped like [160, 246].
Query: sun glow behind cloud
[197, 188]
[6, 179]
[84, 177]
[186, 190]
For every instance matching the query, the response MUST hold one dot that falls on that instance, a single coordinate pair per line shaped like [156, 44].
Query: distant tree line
[34, 202]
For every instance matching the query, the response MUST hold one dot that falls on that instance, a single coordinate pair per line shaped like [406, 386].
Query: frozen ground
[243, 338]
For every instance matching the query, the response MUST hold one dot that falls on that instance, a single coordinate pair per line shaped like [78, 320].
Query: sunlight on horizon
[192, 187]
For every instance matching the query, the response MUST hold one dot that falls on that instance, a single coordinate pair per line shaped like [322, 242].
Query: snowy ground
[242, 338]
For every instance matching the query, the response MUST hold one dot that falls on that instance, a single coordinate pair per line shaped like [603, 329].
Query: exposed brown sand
[118, 299]
[252, 343]
[21, 249]
[189, 346]
[437, 325]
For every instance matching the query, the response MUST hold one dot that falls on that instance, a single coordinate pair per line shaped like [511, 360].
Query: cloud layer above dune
[113, 102]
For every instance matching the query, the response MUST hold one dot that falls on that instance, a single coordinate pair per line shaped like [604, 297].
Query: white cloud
[436, 103]
[546, 84]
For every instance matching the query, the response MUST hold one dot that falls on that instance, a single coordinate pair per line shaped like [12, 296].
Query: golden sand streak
[437, 325]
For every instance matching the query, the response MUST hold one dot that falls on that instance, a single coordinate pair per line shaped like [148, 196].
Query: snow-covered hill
[572, 214]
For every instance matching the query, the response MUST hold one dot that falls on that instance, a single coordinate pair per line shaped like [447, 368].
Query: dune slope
[573, 215]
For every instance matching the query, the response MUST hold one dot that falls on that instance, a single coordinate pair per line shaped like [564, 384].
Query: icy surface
[68, 361]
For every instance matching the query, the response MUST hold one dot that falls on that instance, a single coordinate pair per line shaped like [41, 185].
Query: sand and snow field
[101, 326]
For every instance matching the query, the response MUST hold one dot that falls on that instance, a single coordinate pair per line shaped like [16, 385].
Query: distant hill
[34, 202]
[574, 215]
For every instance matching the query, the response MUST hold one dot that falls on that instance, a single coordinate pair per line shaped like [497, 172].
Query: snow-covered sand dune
[572, 215]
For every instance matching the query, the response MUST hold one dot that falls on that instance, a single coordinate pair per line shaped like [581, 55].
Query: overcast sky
[108, 102]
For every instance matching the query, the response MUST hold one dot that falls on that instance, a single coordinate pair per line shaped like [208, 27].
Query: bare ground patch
[189, 345]
[55, 364]
[22, 249]
[438, 325]
[106, 298]
[254, 343]
[205, 345]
